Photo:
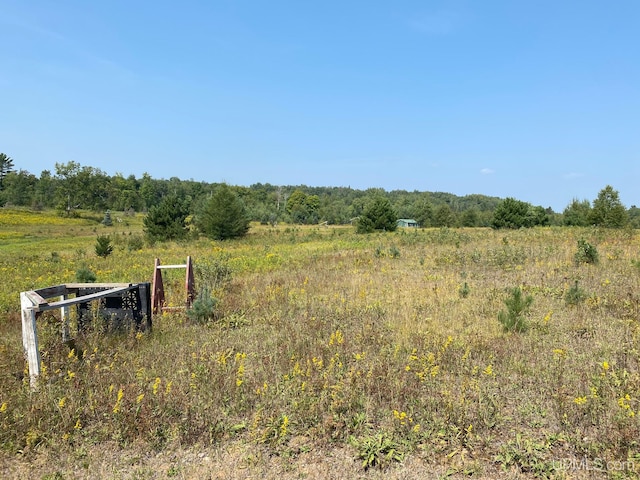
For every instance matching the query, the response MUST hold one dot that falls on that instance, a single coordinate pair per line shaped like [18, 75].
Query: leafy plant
[464, 290]
[213, 273]
[528, 456]
[586, 253]
[135, 243]
[514, 318]
[378, 450]
[103, 247]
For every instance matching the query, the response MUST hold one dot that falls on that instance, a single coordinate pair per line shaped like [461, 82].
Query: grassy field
[331, 355]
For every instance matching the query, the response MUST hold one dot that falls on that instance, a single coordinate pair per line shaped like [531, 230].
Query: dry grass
[335, 354]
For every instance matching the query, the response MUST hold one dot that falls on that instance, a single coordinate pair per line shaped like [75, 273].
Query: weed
[464, 290]
[378, 451]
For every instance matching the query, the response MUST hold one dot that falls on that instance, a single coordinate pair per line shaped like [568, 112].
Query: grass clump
[514, 319]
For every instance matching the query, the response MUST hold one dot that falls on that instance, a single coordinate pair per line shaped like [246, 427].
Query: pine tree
[223, 216]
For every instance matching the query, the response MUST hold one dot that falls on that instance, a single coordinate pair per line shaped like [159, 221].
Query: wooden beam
[49, 292]
[30, 338]
[83, 298]
[171, 266]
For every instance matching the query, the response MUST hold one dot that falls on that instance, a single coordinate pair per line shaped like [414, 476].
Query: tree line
[71, 187]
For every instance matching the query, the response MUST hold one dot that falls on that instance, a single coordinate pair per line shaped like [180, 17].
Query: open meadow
[321, 353]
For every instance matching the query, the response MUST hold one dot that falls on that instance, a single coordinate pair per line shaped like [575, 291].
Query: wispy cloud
[571, 175]
[487, 171]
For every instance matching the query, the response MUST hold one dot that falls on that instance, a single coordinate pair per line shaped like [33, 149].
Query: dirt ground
[231, 462]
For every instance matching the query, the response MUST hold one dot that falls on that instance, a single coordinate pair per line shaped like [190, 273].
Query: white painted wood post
[64, 316]
[30, 338]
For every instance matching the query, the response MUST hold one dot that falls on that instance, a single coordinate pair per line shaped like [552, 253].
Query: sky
[535, 99]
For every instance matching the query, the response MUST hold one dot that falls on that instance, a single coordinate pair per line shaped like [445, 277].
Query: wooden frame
[157, 291]
[34, 302]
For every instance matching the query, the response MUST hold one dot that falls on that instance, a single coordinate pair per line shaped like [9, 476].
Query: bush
[203, 308]
[213, 273]
[514, 318]
[85, 275]
[103, 246]
[575, 295]
[586, 253]
[136, 242]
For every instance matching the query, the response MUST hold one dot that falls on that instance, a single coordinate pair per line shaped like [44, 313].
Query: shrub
[203, 308]
[575, 295]
[586, 253]
[213, 273]
[103, 246]
[136, 242]
[514, 318]
[107, 222]
[85, 275]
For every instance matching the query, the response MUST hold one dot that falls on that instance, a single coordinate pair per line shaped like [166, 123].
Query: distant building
[407, 222]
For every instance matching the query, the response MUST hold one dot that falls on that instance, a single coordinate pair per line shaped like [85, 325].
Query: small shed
[407, 222]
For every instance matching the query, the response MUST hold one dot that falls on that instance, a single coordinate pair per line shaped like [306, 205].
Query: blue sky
[537, 100]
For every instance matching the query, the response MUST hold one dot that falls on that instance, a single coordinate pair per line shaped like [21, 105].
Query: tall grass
[324, 338]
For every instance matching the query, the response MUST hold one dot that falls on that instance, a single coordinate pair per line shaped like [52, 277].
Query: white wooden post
[64, 315]
[30, 338]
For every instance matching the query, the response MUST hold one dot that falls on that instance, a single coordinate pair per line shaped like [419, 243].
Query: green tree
[608, 211]
[303, 208]
[470, 218]
[18, 188]
[6, 166]
[223, 216]
[577, 213]
[511, 213]
[167, 220]
[444, 216]
[378, 215]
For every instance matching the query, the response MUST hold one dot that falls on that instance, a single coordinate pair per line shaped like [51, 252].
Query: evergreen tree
[511, 213]
[167, 220]
[6, 166]
[378, 215]
[224, 216]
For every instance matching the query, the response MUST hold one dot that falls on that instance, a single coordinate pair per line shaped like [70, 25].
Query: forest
[72, 186]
